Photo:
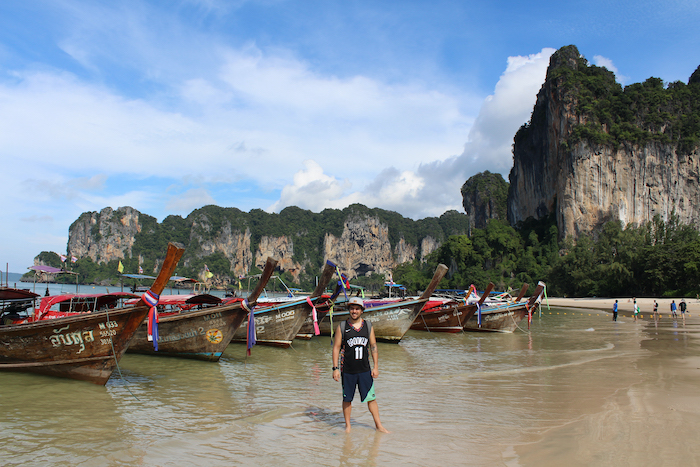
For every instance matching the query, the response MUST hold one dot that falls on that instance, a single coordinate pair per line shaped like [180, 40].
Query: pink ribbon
[317, 331]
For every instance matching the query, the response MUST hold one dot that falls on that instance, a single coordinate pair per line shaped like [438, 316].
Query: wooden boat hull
[450, 319]
[390, 322]
[506, 317]
[84, 347]
[276, 325]
[202, 334]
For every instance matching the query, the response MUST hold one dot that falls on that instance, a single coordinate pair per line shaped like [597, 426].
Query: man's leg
[374, 410]
[347, 409]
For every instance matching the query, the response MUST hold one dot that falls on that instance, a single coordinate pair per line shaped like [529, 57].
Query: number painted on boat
[285, 315]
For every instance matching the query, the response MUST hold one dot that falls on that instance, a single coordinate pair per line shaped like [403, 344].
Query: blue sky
[167, 106]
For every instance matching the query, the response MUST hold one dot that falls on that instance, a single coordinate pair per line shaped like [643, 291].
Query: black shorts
[362, 381]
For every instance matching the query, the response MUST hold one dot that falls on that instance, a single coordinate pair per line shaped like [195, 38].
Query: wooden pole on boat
[270, 266]
[437, 277]
[328, 271]
[522, 293]
[486, 293]
[175, 251]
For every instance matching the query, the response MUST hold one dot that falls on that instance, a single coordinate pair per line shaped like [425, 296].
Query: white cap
[356, 301]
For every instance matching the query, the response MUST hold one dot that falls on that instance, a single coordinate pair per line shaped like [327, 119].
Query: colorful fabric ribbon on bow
[151, 298]
[317, 331]
[250, 338]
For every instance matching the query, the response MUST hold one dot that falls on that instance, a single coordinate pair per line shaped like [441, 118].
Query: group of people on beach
[683, 306]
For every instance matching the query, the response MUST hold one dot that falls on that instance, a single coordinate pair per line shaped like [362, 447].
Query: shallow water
[576, 389]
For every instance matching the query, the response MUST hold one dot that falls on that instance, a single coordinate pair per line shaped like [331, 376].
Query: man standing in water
[356, 339]
[656, 311]
[615, 311]
[673, 309]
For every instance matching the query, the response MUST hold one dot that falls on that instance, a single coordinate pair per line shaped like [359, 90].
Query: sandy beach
[625, 304]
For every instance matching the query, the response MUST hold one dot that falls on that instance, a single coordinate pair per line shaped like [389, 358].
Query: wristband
[335, 368]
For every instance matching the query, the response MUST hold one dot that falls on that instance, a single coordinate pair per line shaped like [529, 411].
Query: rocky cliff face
[226, 241]
[104, 235]
[570, 162]
[282, 249]
[233, 243]
[363, 247]
[484, 197]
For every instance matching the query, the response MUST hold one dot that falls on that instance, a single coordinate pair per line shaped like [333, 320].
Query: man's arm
[375, 353]
[336, 352]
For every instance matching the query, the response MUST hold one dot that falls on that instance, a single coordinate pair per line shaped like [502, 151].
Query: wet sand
[649, 420]
[625, 304]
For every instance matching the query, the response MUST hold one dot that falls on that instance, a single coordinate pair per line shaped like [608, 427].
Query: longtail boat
[204, 333]
[277, 325]
[390, 322]
[85, 346]
[505, 316]
[450, 317]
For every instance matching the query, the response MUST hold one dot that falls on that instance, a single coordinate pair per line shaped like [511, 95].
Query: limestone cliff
[229, 242]
[484, 197]
[104, 235]
[362, 248]
[282, 249]
[232, 242]
[594, 152]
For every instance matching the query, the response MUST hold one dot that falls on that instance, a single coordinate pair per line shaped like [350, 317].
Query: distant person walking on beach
[683, 306]
[615, 311]
[355, 337]
[656, 311]
[636, 309]
[673, 309]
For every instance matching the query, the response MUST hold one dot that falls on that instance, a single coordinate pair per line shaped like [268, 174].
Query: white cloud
[599, 60]
[188, 201]
[312, 189]
[434, 187]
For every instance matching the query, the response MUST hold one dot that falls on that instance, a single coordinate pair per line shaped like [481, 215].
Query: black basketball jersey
[355, 348]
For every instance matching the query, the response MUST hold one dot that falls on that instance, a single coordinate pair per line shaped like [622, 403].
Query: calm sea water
[575, 389]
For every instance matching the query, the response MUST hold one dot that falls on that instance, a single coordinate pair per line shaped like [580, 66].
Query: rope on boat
[116, 360]
[424, 324]
[517, 326]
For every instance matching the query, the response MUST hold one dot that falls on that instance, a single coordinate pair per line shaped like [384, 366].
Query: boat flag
[478, 310]
[120, 267]
[317, 332]
[140, 270]
[151, 298]
[250, 334]
[73, 259]
[63, 258]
